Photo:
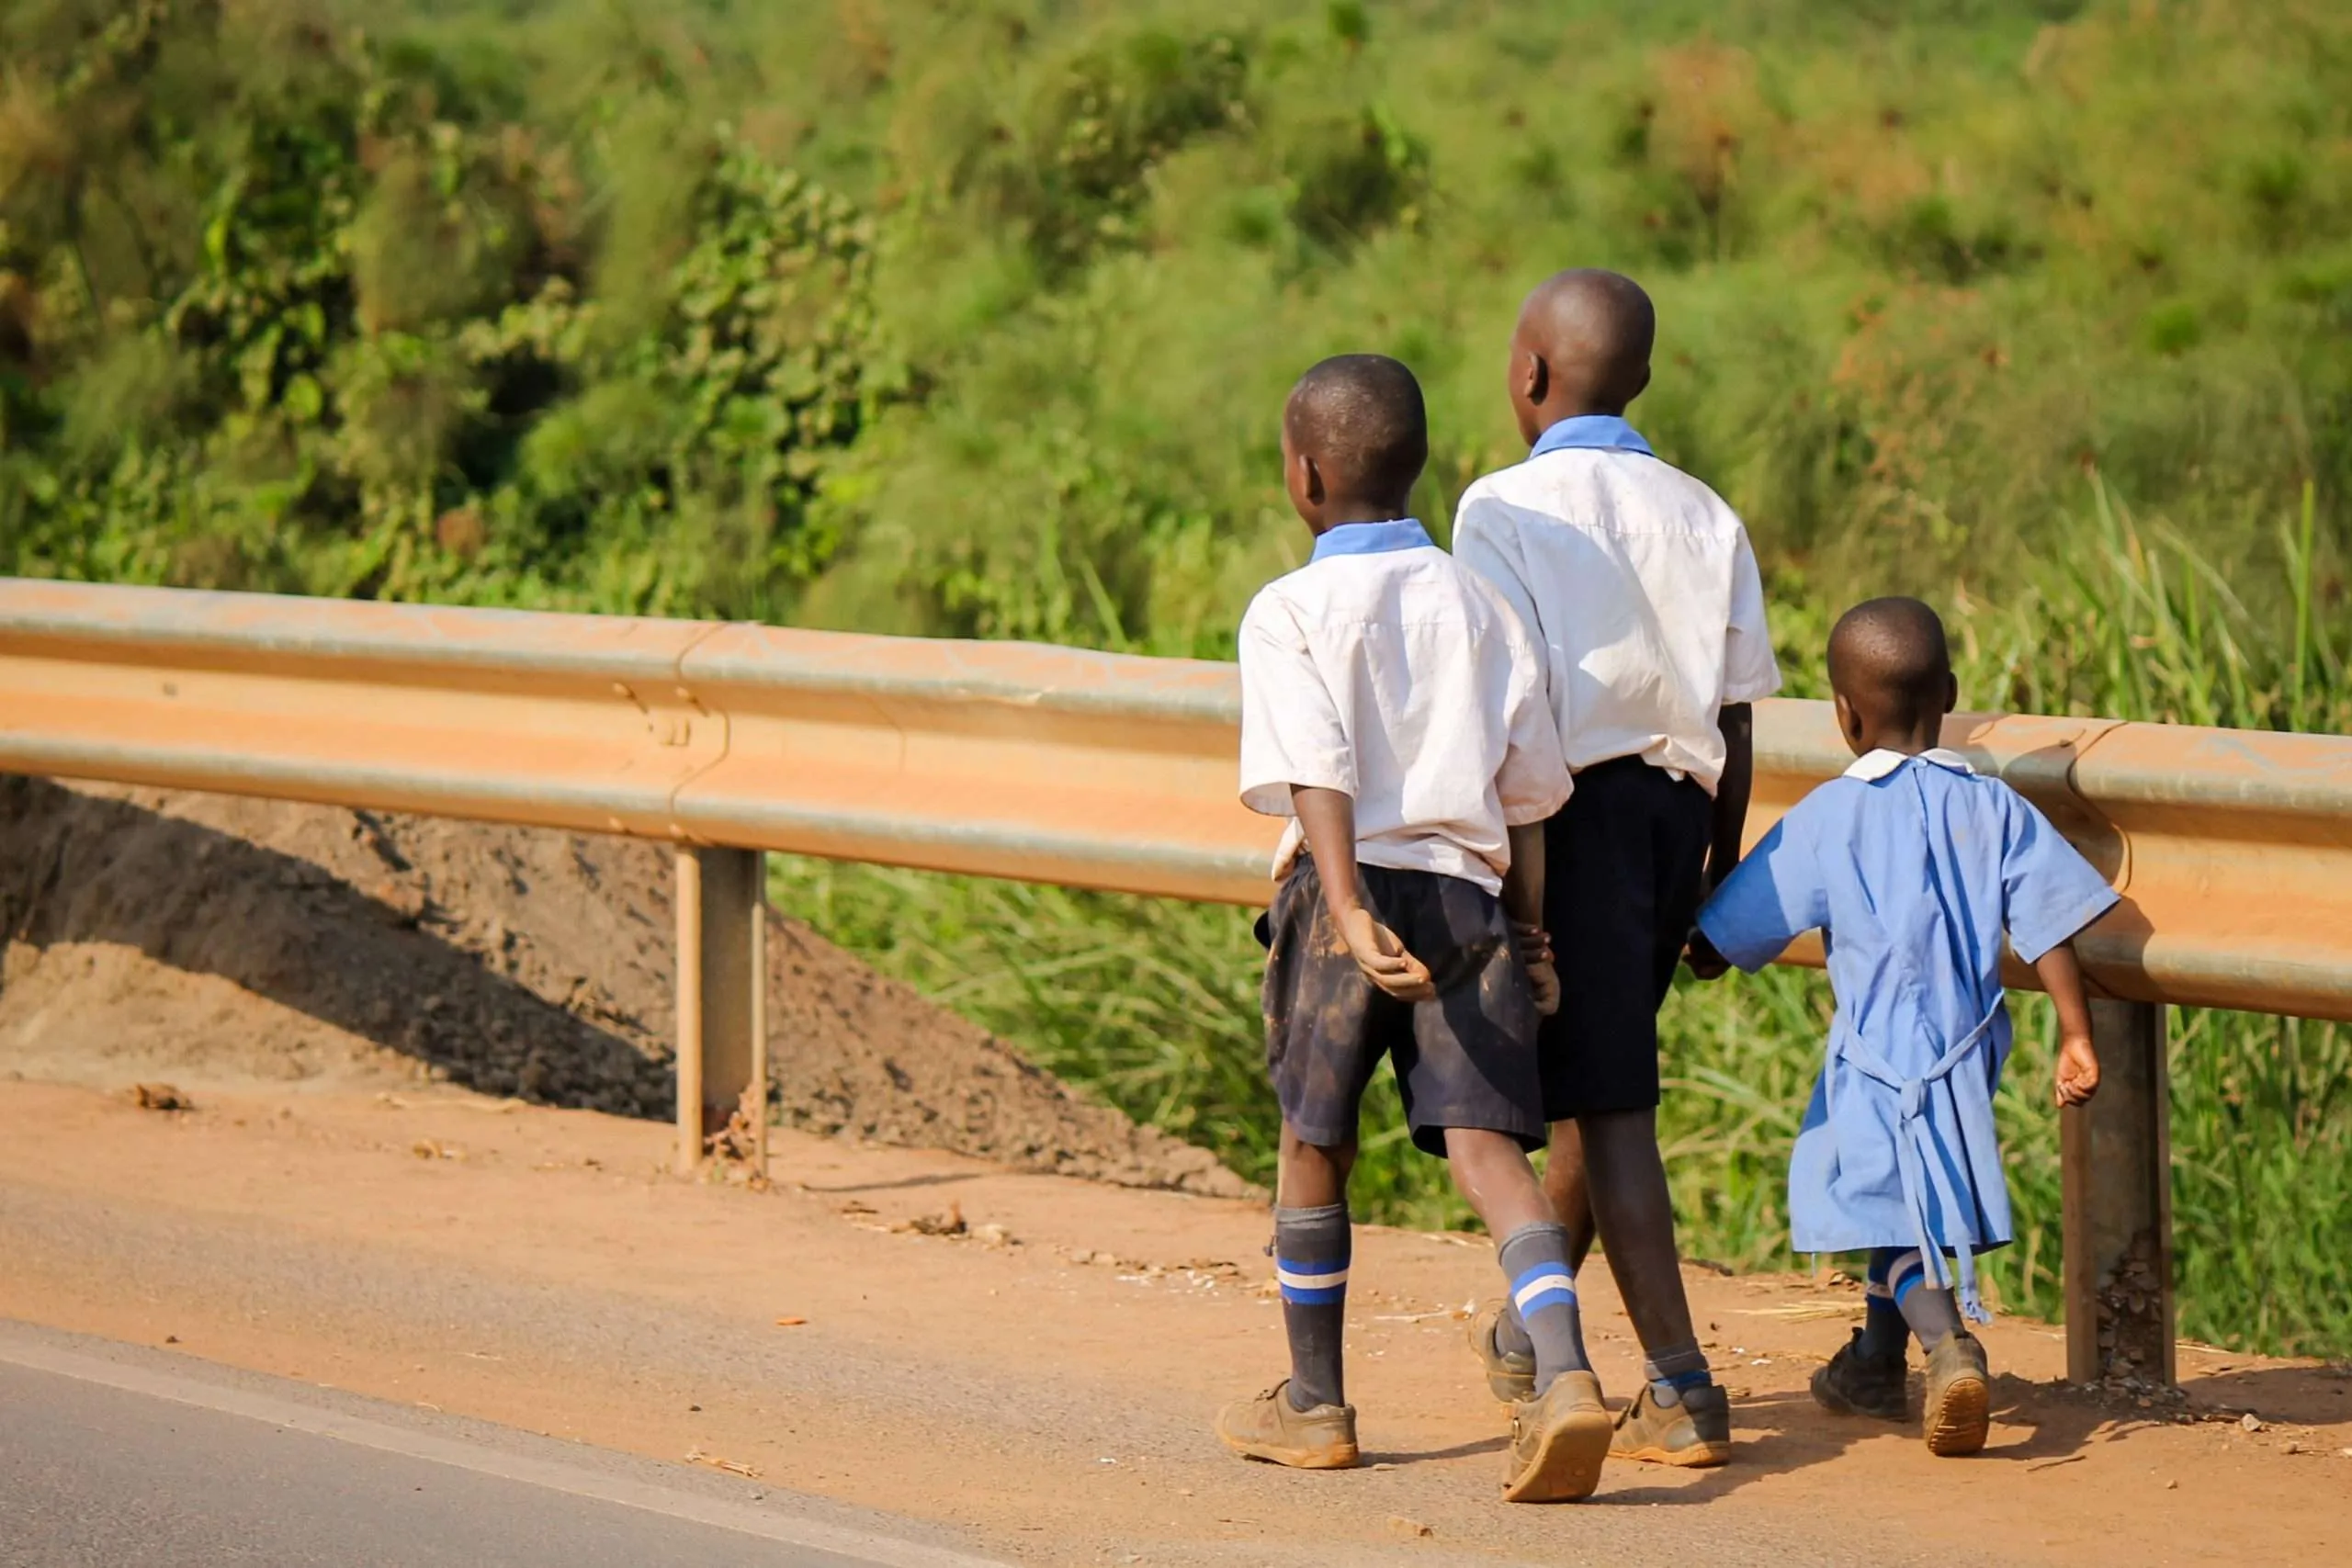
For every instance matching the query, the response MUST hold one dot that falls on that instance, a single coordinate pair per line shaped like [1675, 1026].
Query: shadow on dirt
[77, 868]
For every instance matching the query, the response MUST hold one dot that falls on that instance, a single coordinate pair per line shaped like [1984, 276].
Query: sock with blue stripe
[1933, 1314]
[1675, 1373]
[1885, 1336]
[1534, 1258]
[1311, 1249]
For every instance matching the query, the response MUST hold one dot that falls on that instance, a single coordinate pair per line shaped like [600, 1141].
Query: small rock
[2250, 1422]
[160, 1097]
[992, 1236]
[948, 1222]
[1411, 1529]
[2172, 1485]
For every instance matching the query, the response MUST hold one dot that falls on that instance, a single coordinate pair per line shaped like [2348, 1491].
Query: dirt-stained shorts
[1467, 1058]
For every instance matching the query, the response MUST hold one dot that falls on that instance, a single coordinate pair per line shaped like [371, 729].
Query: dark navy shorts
[1467, 1058]
[1622, 864]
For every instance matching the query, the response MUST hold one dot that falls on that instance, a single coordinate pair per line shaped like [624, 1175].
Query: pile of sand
[224, 940]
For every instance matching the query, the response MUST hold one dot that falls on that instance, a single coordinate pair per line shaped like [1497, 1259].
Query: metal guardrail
[2233, 850]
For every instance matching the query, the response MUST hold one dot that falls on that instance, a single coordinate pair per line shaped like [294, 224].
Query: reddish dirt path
[1047, 1391]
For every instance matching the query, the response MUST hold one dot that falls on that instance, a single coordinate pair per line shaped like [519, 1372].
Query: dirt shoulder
[1043, 1382]
[219, 942]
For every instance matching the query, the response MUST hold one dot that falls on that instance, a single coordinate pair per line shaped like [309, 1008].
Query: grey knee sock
[1673, 1371]
[1933, 1314]
[1534, 1260]
[1311, 1249]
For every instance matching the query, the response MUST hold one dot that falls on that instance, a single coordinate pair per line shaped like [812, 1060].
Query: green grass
[1153, 1004]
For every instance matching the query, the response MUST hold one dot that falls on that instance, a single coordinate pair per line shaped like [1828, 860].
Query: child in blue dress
[1912, 865]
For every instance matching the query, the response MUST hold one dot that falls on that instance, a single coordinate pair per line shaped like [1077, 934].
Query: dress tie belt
[1919, 1163]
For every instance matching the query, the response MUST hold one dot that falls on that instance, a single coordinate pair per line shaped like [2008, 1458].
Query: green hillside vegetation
[972, 320]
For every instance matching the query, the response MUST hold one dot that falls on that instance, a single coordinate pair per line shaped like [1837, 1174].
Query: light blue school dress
[1912, 867]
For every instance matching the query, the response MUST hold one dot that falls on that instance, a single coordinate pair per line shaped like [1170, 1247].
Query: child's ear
[1849, 724]
[1951, 693]
[1640, 386]
[1310, 479]
[1534, 380]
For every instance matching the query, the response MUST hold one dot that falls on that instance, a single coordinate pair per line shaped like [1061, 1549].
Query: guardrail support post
[2116, 1154]
[722, 999]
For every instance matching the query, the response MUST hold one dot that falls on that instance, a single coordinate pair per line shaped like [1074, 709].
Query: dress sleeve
[2049, 891]
[1769, 897]
[1751, 672]
[1290, 730]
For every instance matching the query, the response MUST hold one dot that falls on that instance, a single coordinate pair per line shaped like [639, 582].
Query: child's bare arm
[1738, 722]
[1524, 902]
[1704, 961]
[2061, 976]
[1328, 817]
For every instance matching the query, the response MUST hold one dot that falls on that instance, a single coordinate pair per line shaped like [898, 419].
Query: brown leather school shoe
[1510, 1377]
[1958, 1409]
[1856, 1384]
[1557, 1442]
[1267, 1427]
[1693, 1435]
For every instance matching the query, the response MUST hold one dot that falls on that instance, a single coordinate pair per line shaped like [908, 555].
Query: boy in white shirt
[1392, 707]
[1638, 585]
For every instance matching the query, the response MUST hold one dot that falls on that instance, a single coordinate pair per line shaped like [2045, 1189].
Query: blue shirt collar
[1605, 431]
[1372, 538]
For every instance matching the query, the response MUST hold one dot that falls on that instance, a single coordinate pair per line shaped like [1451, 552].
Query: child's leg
[1311, 1253]
[1568, 1188]
[1933, 1314]
[1636, 1216]
[1885, 1336]
[1494, 1176]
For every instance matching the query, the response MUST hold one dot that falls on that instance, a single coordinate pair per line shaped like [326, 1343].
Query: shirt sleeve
[1534, 781]
[1751, 672]
[1290, 730]
[1485, 542]
[1769, 897]
[2048, 890]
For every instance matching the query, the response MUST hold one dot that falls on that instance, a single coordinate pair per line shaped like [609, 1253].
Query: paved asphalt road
[115, 1457]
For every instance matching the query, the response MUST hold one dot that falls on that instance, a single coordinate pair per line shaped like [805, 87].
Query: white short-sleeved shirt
[1638, 583]
[1384, 670]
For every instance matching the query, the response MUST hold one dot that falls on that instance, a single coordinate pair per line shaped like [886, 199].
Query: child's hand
[1547, 981]
[1533, 944]
[2078, 1070]
[1709, 965]
[1383, 958]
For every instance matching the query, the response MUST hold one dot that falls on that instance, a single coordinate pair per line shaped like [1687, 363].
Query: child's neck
[1551, 415]
[1909, 743]
[1339, 513]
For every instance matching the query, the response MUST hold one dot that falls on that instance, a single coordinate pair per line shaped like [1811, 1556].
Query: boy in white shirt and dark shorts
[1392, 707]
[1638, 585]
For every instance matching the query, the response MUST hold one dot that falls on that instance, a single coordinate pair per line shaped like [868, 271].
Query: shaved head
[1582, 345]
[1889, 662]
[1360, 417]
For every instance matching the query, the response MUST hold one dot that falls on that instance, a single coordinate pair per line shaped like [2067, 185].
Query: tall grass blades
[1153, 1004]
